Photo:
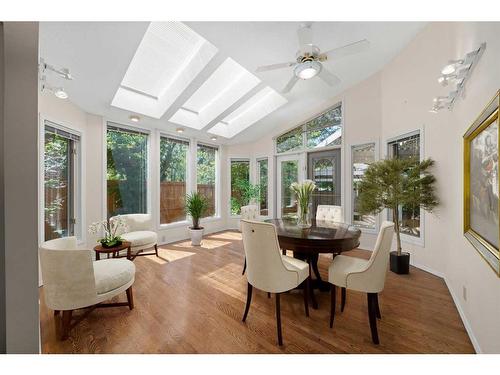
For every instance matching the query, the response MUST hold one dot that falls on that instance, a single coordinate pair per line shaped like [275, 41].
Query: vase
[304, 215]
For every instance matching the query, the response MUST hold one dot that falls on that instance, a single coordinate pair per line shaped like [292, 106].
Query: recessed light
[134, 118]
[213, 138]
[60, 93]
[179, 130]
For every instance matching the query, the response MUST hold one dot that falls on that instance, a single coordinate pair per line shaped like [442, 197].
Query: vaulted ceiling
[201, 75]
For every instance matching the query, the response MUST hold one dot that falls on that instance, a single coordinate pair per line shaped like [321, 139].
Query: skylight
[167, 60]
[221, 90]
[257, 107]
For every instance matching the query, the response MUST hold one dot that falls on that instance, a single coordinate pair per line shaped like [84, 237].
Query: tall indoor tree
[397, 183]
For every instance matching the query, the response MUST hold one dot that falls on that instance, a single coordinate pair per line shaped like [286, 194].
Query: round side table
[113, 251]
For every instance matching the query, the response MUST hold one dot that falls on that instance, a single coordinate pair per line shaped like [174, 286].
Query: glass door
[289, 170]
[324, 169]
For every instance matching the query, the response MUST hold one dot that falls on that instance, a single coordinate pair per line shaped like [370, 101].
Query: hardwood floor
[191, 300]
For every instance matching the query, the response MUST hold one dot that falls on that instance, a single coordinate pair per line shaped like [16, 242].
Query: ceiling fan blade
[290, 85]
[349, 49]
[275, 66]
[305, 39]
[330, 78]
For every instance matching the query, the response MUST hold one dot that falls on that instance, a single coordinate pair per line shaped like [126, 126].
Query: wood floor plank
[191, 300]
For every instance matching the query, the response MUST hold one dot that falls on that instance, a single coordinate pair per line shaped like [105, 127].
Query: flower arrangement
[303, 192]
[110, 227]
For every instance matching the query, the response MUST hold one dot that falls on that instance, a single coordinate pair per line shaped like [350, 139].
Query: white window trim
[150, 152]
[229, 180]
[79, 176]
[194, 186]
[257, 181]
[418, 241]
[185, 221]
[351, 208]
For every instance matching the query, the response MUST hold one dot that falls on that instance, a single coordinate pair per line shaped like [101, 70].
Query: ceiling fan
[309, 59]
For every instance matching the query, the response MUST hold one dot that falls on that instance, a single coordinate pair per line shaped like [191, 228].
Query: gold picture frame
[481, 184]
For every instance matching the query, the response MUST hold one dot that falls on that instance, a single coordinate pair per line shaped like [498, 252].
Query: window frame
[78, 178]
[303, 126]
[250, 180]
[189, 178]
[194, 187]
[414, 240]
[257, 181]
[376, 229]
[149, 183]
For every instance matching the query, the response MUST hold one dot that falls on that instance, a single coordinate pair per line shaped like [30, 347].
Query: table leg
[97, 256]
[311, 289]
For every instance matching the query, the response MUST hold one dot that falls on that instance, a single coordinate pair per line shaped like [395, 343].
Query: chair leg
[342, 301]
[244, 266]
[377, 307]
[156, 249]
[305, 287]
[278, 319]
[66, 323]
[130, 298]
[249, 299]
[333, 302]
[268, 295]
[372, 315]
[56, 312]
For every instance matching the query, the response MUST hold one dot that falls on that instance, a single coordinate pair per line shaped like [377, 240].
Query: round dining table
[307, 243]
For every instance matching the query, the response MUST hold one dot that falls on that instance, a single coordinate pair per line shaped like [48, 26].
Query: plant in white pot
[196, 206]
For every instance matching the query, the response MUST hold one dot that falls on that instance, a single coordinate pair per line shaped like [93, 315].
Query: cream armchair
[364, 275]
[268, 269]
[71, 280]
[139, 234]
[250, 212]
[329, 213]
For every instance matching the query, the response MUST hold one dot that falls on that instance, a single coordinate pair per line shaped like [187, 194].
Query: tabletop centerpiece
[111, 229]
[303, 191]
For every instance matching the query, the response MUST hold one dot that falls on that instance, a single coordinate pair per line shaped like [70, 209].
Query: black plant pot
[400, 264]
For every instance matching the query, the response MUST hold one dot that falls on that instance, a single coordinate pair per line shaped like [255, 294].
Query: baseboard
[461, 312]
[427, 269]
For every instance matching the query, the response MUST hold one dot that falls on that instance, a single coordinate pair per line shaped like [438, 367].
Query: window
[262, 175]
[407, 147]
[173, 177]
[61, 150]
[322, 131]
[326, 129]
[362, 157]
[240, 184]
[290, 141]
[206, 175]
[127, 166]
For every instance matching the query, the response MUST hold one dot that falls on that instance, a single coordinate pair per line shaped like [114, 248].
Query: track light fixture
[62, 72]
[456, 73]
[57, 91]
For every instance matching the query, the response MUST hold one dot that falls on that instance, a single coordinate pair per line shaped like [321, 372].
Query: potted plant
[303, 193]
[392, 184]
[196, 206]
[110, 227]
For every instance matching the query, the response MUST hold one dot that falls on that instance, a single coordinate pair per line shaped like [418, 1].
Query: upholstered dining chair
[250, 212]
[71, 280]
[139, 234]
[362, 275]
[329, 213]
[268, 269]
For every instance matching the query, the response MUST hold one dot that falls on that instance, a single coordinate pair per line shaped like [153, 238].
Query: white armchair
[268, 269]
[71, 280]
[329, 213]
[364, 275]
[139, 234]
[250, 212]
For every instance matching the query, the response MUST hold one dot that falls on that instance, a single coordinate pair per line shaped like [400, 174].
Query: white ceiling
[99, 53]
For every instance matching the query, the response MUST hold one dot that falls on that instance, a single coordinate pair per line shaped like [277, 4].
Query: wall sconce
[456, 73]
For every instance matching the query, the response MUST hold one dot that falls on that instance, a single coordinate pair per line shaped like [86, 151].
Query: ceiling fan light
[307, 70]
